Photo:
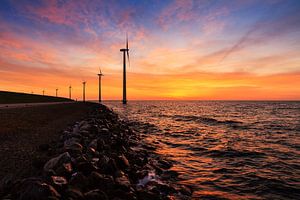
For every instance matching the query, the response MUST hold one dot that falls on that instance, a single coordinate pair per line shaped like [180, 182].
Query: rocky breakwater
[98, 158]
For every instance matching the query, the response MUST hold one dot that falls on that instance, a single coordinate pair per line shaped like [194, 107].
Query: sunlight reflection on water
[228, 150]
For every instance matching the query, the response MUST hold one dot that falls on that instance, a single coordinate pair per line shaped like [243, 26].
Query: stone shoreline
[99, 157]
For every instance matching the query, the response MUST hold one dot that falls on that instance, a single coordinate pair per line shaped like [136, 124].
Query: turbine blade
[126, 41]
[128, 58]
[127, 50]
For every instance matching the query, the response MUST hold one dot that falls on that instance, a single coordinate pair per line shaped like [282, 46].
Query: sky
[181, 50]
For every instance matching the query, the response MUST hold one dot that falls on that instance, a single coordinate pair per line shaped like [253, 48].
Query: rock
[165, 188]
[164, 164]
[91, 151]
[122, 162]
[73, 147]
[93, 144]
[59, 180]
[102, 181]
[6, 183]
[100, 144]
[147, 195]
[78, 180]
[169, 174]
[34, 189]
[122, 181]
[96, 195]
[185, 190]
[121, 194]
[86, 168]
[107, 165]
[73, 193]
[85, 133]
[64, 170]
[58, 161]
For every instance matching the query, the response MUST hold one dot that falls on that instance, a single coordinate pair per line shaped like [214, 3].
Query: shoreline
[98, 157]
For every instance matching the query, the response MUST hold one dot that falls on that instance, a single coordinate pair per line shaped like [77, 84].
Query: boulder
[34, 189]
[96, 195]
[58, 161]
[79, 180]
[103, 181]
[73, 193]
[122, 162]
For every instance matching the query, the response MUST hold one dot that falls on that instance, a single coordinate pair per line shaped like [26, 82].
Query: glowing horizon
[181, 50]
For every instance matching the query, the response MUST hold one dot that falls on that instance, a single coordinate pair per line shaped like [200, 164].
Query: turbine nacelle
[124, 50]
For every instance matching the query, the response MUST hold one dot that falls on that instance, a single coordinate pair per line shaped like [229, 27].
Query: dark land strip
[22, 130]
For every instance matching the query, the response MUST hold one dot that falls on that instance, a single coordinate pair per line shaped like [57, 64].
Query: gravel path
[23, 129]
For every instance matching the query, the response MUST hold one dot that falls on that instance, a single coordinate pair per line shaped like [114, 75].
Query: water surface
[226, 150]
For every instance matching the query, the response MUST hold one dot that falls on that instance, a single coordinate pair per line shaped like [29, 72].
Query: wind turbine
[70, 92]
[99, 75]
[83, 91]
[125, 51]
[43, 92]
[56, 92]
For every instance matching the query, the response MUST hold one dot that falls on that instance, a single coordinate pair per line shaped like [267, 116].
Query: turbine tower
[70, 92]
[83, 99]
[125, 51]
[43, 92]
[56, 92]
[99, 75]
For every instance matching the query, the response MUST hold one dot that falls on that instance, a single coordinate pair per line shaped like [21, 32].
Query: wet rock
[96, 195]
[169, 174]
[164, 164]
[34, 189]
[165, 188]
[185, 190]
[58, 161]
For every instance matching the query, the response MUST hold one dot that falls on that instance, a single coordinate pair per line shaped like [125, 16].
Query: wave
[227, 153]
[206, 120]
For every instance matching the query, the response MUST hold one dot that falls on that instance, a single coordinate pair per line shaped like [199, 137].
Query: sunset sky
[201, 49]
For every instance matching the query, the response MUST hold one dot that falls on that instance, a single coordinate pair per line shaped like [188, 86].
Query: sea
[225, 149]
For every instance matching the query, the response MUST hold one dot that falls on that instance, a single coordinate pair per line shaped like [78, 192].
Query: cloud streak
[179, 49]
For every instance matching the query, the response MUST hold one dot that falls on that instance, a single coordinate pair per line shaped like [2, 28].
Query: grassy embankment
[14, 97]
